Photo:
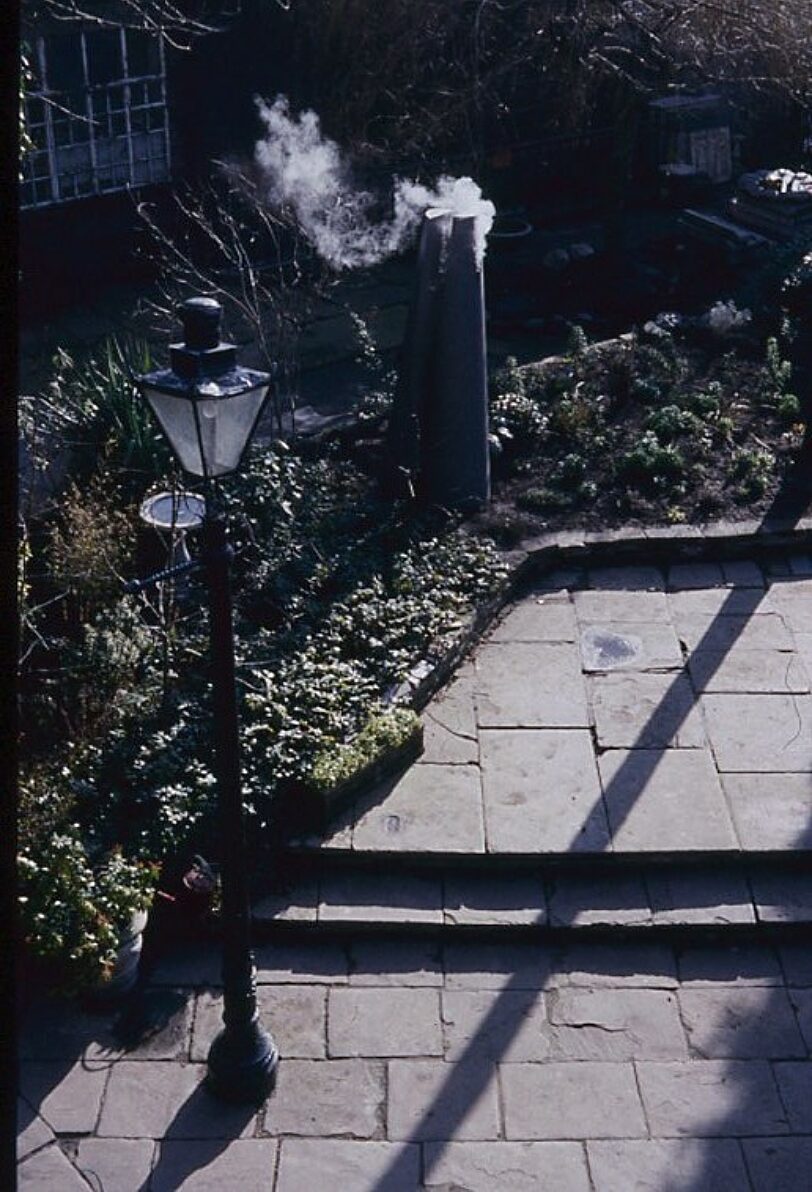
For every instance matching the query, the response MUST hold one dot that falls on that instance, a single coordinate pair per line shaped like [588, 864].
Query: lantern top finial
[201, 323]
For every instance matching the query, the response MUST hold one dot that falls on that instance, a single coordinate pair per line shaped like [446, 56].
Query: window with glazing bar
[96, 117]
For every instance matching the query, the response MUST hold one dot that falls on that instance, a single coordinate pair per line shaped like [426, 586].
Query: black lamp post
[208, 407]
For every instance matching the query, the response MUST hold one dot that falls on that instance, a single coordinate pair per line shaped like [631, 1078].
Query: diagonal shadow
[473, 1070]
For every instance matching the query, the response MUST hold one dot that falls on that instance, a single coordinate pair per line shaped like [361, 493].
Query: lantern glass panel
[209, 441]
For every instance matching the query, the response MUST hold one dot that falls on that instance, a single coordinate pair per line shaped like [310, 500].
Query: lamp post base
[242, 1064]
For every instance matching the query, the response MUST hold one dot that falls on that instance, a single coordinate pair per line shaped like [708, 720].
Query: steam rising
[304, 170]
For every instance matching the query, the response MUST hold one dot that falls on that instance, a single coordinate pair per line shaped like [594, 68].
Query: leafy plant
[74, 912]
[517, 423]
[751, 471]
[653, 468]
[93, 409]
[382, 733]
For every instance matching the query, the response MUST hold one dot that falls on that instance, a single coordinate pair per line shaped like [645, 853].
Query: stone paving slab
[449, 723]
[661, 800]
[771, 811]
[638, 646]
[646, 711]
[708, 1098]
[296, 1016]
[779, 1164]
[571, 1101]
[430, 1100]
[431, 808]
[783, 897]
[592, 1062]
[760, 733]
[410, 898]
[32, 1132]
[517, 1166]
[701, 896]
[508, 1027]
[741, 1023]
[541, 792]
[49, 1170]
[653, 1165]
[766, 632]
[327, 1098]
[510, 899]
[542, 618]
[206, 1166]
[308, 1164]
[395, 961]
[615, 1024]
[67, 1097]
[384, 1022]
[530, 685]
[746, 671]
[730, 965]
[697, 682]
[579, 900]
[593, 605]
[120, 1164]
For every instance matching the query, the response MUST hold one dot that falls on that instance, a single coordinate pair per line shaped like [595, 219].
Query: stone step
[766, 898]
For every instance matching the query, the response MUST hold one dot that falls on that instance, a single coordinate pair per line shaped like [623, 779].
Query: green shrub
[751, 471]
[381, 733]
[517, 423]
[93, 408]
[74, 912]
[653, 468]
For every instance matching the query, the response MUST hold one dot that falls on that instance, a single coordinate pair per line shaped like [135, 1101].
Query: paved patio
[649, 733]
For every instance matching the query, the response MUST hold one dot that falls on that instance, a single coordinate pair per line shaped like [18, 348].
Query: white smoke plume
[304, 170]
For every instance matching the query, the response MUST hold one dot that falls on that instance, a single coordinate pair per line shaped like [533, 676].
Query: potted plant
[86, 920]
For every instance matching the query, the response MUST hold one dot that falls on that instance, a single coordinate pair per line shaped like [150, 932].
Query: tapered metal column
[415, 380]
[243, 1057]
[455, 464]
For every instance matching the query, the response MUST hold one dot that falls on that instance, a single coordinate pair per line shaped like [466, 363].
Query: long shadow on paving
[469, 1075]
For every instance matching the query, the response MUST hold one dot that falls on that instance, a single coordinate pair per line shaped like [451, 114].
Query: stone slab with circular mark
[530, 685]
[758, 733]
[616, 645]
[541, 792]
[771, 811]
[665, 800]
[430, 809]
[635, 710]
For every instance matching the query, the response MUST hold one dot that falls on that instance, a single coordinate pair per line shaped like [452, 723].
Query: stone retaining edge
[533, 558]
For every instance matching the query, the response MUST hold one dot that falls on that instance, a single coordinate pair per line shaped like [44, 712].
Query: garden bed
[669, 425]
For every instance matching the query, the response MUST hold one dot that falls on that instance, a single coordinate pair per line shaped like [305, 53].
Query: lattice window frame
[111, 156]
